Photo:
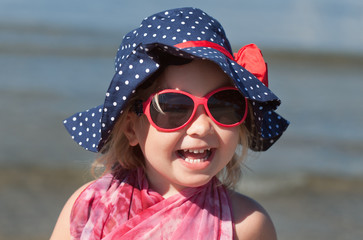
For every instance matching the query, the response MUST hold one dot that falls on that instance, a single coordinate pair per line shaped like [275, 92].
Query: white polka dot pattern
[134, 63]
[85, 127]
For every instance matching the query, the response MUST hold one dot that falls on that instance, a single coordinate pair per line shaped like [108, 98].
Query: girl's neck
[165, 190]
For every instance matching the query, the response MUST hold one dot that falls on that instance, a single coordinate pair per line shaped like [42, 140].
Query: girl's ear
[129, 129]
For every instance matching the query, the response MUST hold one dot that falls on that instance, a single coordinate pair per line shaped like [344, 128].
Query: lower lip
[199, 165]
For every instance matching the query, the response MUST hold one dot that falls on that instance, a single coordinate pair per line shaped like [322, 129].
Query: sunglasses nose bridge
[200, 101]
[200, 122]
[200, 108]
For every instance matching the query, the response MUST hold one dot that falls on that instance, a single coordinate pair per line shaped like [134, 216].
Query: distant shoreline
[25, 176]
[59, 40]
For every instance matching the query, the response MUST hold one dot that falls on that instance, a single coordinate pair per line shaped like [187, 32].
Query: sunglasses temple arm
[138, 108]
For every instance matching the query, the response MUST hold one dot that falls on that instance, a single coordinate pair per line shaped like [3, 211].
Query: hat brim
[266, 128]
[85, 128]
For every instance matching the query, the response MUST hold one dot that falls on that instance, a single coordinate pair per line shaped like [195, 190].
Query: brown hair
[117, 156]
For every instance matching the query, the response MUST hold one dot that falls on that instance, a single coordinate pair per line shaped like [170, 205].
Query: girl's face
[168, 155]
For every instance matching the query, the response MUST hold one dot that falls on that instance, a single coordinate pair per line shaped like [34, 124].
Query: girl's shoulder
[251, 219]
[62, 227]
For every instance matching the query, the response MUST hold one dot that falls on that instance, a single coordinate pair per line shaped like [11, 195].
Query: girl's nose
[201, 125]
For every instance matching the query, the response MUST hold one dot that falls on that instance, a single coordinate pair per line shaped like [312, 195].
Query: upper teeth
[196, 150]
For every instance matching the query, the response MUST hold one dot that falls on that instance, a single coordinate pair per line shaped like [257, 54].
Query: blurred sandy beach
[303, 207]
[53, 64]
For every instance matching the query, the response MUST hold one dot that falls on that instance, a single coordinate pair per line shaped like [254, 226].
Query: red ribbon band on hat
[204, 44]
[249, 57]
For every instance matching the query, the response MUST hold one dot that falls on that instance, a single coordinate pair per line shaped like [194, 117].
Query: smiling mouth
[195, 155]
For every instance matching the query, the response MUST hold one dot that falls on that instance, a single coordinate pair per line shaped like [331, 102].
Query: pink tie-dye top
[125, 208]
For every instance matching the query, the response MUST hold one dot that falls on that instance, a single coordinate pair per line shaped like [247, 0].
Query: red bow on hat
[250, 57]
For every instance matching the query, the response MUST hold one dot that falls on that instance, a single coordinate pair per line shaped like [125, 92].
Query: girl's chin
[194, 180]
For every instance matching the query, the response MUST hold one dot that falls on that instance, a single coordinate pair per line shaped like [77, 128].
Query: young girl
[177, 108]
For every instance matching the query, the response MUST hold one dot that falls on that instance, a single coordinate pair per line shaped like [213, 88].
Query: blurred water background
[56, 58]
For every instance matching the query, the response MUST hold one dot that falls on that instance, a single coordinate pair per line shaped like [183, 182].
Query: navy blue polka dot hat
[188, 33]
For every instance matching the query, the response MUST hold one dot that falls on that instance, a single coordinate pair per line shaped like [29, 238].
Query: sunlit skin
[166, 170]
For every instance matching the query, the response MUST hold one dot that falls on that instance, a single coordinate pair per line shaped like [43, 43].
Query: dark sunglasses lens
[227, 107]
[171, 110]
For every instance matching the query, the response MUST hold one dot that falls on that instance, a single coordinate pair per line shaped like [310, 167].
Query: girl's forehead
[198, 75]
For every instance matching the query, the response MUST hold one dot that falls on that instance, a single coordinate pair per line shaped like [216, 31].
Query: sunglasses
[170, 109]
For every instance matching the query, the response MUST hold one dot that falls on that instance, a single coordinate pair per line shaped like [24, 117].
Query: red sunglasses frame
[197, 101]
